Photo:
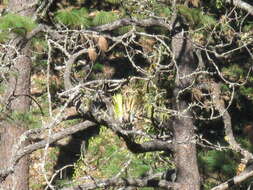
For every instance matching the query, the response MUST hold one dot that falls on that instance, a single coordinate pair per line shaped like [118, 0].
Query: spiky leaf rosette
[118, 106]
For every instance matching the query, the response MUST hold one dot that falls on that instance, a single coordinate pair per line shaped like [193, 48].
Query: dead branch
[247, 173]
[132, 182]
[242, 5]
[41, 144]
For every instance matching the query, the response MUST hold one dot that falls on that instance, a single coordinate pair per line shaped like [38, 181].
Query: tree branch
[247, 173]
[128, 21]
[154, 145]
[220, 106]
[115, 125]
[126, 182]
[150, 146]
[106, 27]
[242, 5]
[55, 137]
[67, 73]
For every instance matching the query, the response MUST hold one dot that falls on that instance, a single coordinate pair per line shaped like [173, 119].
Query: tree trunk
[17, 101]
[183, 126]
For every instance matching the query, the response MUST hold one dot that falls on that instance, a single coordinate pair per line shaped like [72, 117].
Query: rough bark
[183, 127]
[22, 7]
[18, 101]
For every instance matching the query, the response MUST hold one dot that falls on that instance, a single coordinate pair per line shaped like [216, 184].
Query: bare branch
[220, 106]
[242, 5]
[55, 137]
[134, 182]
[150, 146]
[247, 173]
[67, 80]
[127, 21]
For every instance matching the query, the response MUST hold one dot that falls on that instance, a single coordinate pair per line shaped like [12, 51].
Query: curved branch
[242, 5]
[67, 73]
[220, 106]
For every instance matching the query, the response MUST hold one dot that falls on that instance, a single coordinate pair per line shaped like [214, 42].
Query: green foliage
[3, 36]
[39, 65]
[104, 17]
[165, 11]
[196, 18]
[124, 29]
[209, 184]
[153, 99]
[73, 17]
[109, 155]
[248, 27]
[5, 2]
[28, 119]
[247, 91]
[36, 186]
[16, 24]
[63, 183]
[159, 9]
[39, 45]
[218, 162]
[113, 1]
[224, 88]
[2, 89]
[12, 21]
[150, 8]
[245, 143]
[233, 72]
[219, 3]
[98, 67]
